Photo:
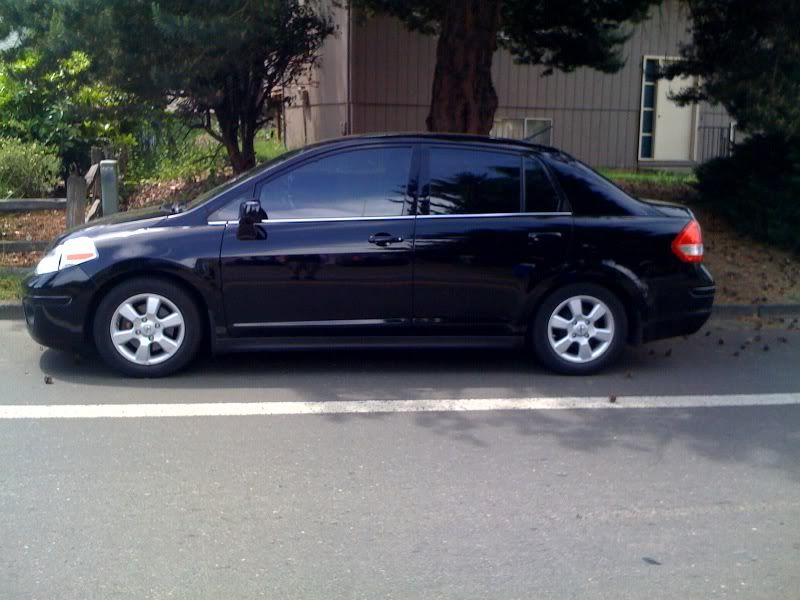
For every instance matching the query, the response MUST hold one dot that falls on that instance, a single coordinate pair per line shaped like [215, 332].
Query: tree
[747, 57]
[62, 108]
[217, 62]
[563, 34]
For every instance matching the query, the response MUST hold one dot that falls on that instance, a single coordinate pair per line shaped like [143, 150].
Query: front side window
[465, 181]
[370, 182]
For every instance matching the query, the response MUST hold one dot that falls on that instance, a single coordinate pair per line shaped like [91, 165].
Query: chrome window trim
[493, 215]
[403, 218]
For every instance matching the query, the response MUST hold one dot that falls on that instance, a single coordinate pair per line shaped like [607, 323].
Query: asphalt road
[615, 502]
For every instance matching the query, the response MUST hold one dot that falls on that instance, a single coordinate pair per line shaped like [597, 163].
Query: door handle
[384, 239]
[537, 236]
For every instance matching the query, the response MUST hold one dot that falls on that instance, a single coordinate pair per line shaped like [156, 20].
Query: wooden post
[109, 186]
[95, 156]
[76, 199]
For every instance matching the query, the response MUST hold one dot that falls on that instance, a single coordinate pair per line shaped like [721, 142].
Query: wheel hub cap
[581, 329]
[147, 329]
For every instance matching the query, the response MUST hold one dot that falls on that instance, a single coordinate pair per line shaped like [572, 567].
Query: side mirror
[250, 214]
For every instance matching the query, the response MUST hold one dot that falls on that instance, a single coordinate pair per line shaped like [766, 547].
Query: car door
[334, 253]
[480, 245]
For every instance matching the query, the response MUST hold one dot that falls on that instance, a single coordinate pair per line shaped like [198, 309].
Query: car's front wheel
[147, 327]
[579, 329]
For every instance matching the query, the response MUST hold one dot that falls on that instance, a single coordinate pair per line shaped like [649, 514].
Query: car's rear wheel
[147, 328]
[579, 329]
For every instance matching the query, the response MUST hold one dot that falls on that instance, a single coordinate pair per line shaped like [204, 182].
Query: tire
[171, 335]
[583, 345]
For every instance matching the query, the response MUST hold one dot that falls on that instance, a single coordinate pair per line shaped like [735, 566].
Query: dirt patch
[19, 259]
[155, 194]
[747, 271]
[39, 225]
[672, 192]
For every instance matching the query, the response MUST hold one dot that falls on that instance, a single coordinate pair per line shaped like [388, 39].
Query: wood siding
[595, 115]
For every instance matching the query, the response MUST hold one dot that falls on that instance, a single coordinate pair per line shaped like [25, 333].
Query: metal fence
[714, 142]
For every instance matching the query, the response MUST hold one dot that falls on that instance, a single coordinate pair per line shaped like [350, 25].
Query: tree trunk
[238, 137]
[464, 98]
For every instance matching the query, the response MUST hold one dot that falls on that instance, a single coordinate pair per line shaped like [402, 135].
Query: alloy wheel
[581, 329]
[147, 329]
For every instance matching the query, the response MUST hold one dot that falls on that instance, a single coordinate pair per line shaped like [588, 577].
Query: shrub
[757, 188]
[27, 169]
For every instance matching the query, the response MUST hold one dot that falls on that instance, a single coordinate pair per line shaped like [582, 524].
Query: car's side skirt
[255, 344]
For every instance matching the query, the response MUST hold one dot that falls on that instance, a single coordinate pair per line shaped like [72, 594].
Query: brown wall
[327, 92]
[595, 115]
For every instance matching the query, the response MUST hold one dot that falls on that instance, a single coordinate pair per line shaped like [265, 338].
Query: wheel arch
[632, 292]
[174, 276]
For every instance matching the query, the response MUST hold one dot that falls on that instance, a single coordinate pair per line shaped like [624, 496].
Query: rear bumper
[55, 309]
[681, 310]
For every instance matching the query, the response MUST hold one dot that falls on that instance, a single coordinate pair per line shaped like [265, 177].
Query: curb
[756, 310]
[13, 310]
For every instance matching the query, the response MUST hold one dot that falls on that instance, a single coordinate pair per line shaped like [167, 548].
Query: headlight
[72, 252]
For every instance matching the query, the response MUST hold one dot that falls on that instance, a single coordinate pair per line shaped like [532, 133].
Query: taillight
[688, 245]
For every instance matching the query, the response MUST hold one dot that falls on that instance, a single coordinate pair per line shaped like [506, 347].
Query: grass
[267, 149]
[656, 177]
[10, 287]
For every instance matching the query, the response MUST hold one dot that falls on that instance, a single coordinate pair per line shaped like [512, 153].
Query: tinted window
[589, 193]
[473, 182]
[361, 183]
[540, 196]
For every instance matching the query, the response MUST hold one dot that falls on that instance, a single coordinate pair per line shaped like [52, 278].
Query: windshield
[236, 180]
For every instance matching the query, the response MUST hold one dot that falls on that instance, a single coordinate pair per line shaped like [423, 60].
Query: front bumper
[56, 307]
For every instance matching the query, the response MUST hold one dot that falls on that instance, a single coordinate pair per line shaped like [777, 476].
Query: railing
[88, 197]
[714, 142]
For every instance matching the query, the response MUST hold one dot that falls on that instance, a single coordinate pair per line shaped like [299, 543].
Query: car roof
[359, 139]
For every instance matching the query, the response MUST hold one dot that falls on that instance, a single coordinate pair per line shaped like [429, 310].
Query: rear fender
[618, 279]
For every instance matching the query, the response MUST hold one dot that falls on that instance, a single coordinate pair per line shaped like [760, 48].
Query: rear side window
[540, 195]
[589, 193]
[370, 182]
[466, 182]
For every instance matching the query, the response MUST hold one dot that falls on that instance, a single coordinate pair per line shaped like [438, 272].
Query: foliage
[61, 107]
[219, 62]
[10, 287]
[747, 56]
[27, 169]
[757, 188]
[559, 35]
[168, 150]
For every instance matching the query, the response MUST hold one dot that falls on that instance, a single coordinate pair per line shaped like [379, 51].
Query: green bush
[27, 169]
[169, 150]
[757, 188]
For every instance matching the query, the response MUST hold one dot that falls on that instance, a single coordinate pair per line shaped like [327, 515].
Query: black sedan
[381, 241]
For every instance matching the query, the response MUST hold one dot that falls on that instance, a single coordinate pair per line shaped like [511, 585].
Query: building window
[648, 107]
[535, 130]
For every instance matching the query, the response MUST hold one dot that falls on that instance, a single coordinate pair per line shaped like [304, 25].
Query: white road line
[242, 409]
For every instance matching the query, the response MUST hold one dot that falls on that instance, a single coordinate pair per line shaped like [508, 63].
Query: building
[376, 76]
